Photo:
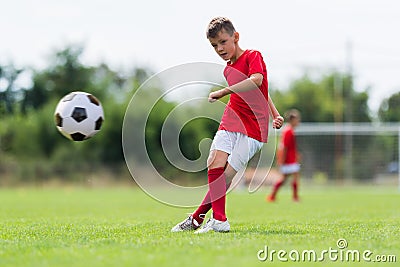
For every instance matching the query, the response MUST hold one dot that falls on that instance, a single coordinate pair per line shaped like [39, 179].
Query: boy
[287, 158]
[244, 124]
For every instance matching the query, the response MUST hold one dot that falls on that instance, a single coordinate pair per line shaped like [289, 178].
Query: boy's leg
[217, 187]
[202, 210]
[277, 185]
[220, 176]
[205, 205]
[222, 169]
[219, 179]
[295, 185]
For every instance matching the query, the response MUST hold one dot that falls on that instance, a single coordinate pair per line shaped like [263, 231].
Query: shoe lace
[187, 224]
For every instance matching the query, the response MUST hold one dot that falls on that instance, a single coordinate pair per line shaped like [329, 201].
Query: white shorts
[240, 147]
[290, 168]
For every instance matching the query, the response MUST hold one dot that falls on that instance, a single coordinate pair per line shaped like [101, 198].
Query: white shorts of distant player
[290, 168]
[240, 147]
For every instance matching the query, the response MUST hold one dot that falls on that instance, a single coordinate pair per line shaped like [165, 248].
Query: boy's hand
[214, 96]
[278, 122]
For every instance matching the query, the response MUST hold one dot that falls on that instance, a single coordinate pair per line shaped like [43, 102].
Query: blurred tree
[318, 100]
[64, 75]
[8, 89]
[389, 110]
[31, 136]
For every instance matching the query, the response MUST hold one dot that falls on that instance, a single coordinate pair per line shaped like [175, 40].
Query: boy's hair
[218, 24]
[292, 114]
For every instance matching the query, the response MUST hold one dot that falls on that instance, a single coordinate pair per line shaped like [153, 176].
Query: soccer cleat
[270, 198]
[189, 224]
[214, 225]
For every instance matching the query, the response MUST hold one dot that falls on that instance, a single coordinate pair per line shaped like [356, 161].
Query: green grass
[125, 227]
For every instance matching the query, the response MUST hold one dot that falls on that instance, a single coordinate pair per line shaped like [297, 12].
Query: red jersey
[288, 141]
[247, 112]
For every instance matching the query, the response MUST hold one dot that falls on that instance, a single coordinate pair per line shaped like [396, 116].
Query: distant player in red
[243, 128]
[287, 156]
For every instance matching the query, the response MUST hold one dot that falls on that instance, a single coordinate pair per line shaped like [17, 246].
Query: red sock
[276, 188]
[204, 207]
[295, 186]
[217, 188]
[202, 210]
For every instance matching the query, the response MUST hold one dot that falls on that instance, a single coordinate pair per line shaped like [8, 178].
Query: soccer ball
[79, 116]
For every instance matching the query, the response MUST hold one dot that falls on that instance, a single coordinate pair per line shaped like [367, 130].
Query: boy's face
[295, 121]
[225, 44]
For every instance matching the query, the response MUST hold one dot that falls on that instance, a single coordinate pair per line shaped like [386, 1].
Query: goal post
[347, 151]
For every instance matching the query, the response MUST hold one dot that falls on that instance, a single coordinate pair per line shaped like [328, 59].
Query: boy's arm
[277, 118]
[253, 82]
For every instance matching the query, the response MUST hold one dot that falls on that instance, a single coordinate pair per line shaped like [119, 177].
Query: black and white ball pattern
[79, 116]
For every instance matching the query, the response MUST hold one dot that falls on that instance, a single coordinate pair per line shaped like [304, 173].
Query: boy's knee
[217, 159]
[216, 164]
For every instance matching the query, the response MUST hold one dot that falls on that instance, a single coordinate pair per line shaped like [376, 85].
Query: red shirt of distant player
[288, 141]
[247, 112]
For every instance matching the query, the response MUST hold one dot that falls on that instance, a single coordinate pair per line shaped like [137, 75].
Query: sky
[313, 36]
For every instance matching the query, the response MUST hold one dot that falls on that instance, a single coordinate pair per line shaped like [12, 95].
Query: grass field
[124, 227]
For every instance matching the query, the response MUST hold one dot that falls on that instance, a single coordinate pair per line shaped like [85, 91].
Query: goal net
[350, 152]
